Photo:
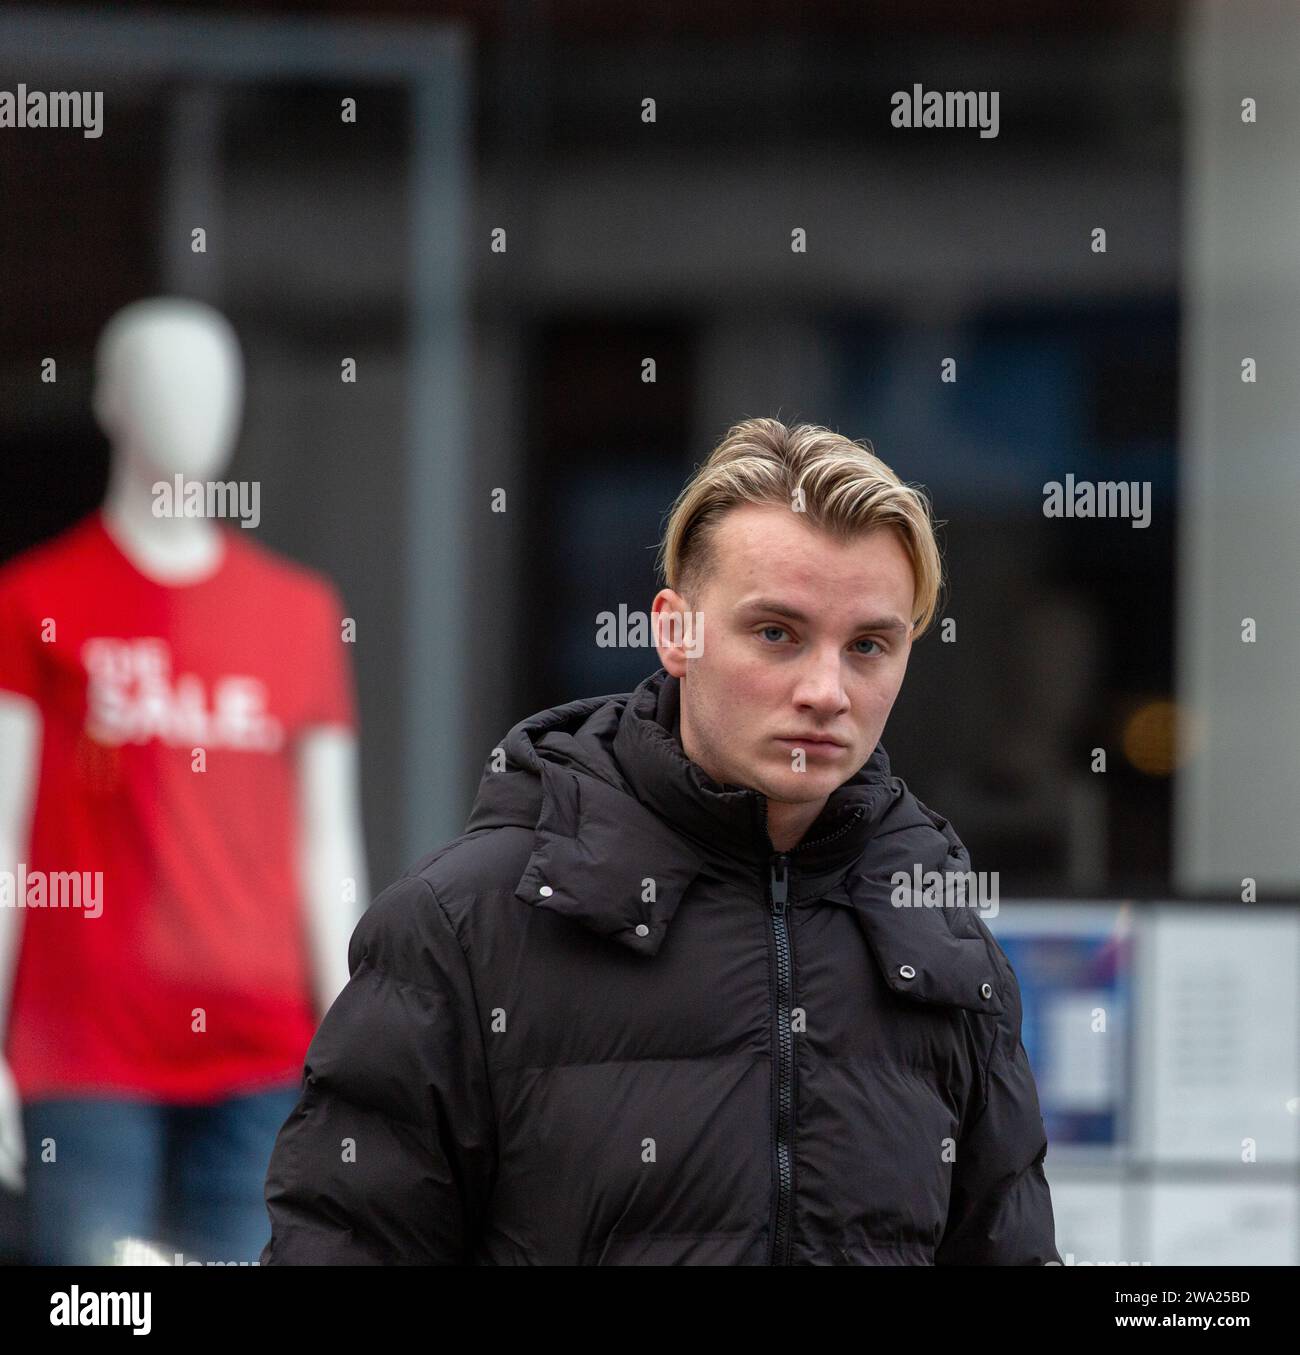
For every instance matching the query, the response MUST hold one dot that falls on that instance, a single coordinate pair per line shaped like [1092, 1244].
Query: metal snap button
[906, 972]
[986, 990]
[642, 929]
[546, 891]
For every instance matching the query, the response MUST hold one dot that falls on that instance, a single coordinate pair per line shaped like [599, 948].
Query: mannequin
[168, 394]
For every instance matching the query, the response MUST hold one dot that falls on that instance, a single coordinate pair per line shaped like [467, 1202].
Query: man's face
[803, 638]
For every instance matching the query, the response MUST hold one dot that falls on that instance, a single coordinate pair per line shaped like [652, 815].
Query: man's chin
[797, 788]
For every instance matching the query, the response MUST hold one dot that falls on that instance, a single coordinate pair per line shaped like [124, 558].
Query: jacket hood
[619, 813]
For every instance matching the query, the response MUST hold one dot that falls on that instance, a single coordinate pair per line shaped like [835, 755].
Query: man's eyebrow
[774, 607]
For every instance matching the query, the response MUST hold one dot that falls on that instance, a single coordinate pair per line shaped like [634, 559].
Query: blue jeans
[185, 1178]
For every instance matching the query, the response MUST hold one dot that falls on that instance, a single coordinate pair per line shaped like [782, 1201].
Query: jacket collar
[623, 823]
[727, 823]
[929, 954]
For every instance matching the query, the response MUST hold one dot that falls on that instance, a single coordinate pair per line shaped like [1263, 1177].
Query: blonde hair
[844, 487]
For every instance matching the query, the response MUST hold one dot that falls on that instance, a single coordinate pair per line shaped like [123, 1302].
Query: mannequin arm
[331, 860]
[20, 736]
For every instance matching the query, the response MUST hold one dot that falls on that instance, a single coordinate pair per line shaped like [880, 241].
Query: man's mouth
[812, 743]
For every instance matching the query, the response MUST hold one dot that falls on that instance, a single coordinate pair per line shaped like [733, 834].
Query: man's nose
[821, 683]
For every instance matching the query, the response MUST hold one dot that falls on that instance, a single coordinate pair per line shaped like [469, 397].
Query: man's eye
[870, 642]
[780, 630]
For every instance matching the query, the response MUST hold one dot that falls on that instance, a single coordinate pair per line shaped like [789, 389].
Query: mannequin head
[169, 389]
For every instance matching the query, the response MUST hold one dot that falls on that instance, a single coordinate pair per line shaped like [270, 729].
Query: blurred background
[523, 368]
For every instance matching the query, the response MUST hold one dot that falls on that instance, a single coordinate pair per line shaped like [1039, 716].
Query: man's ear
[677, 630]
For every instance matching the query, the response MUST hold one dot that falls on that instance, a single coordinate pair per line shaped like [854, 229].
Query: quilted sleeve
[1000, 1207]
[387, 1158]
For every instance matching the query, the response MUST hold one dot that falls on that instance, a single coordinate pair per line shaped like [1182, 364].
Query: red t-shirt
[192, 983]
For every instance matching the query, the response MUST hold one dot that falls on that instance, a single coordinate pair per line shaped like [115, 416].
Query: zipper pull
[780, 883]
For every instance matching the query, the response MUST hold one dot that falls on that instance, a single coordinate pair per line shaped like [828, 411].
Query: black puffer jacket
[609, 1025]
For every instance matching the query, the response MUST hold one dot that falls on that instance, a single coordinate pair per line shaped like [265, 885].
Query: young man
[658, 1004]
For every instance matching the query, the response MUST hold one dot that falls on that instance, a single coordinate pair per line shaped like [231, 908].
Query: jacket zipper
[783, 1129]
[779, 889]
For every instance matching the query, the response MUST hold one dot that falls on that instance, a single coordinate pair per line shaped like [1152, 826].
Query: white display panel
[1223, 1225]
[1218, 1058]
